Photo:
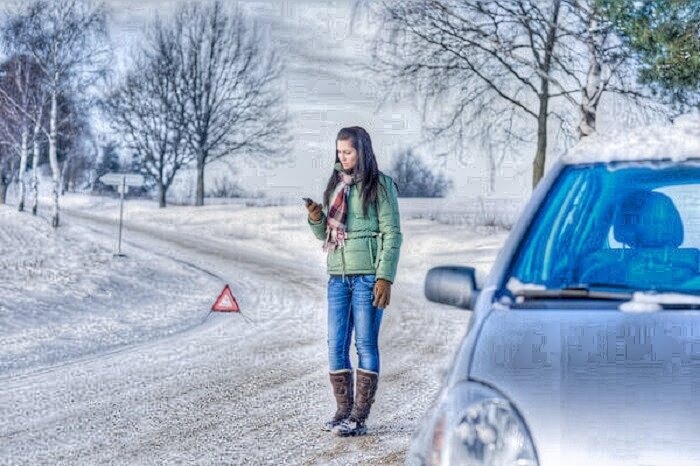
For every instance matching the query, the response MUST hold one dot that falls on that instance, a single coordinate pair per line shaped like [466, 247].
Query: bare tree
[23, 98]
[76, 144]
[8, 149]
[503, 53]
[39, 124]
[10, 127]
[65, 38]
[494, 138]
[415, 179]
[76, 169]
[229, 76]
[496, 67]
[7, 169]
[148, 110]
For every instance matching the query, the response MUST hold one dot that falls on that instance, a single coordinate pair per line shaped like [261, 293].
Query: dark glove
[382, 293]
[314, 211]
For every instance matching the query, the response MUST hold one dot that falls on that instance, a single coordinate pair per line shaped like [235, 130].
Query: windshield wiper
[575, 292]
[661, 300]
[667, 300]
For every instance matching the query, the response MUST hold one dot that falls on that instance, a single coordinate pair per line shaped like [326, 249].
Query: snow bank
[678, 142]
[65, 296]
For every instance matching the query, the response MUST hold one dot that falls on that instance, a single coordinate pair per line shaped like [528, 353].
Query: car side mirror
[453, 285]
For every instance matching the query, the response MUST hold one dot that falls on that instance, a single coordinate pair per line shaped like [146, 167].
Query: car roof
[675, 142]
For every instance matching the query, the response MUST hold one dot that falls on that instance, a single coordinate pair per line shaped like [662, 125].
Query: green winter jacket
[372, 242]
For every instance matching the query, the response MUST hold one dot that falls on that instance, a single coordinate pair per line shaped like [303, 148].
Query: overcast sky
[324, 91]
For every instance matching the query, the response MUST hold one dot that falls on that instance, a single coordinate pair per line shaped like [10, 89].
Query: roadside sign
[129, 179]
[122, 181]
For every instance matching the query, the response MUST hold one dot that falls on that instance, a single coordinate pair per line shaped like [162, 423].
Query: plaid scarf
[338, 211]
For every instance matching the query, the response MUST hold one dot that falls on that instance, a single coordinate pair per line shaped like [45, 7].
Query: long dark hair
[366, 170]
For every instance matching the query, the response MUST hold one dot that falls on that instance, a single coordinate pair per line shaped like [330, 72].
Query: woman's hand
[314, 211]
[382, 293]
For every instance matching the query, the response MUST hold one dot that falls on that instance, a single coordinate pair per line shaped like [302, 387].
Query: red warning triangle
[226, 302]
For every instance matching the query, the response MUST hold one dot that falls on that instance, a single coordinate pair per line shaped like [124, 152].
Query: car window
[687, 201]
[616, 226]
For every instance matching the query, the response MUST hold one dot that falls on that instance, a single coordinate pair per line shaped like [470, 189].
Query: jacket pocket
[357, 254]
[335, 261]
[374, 246]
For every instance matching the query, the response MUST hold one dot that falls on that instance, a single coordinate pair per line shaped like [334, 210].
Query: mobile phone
[307, 200]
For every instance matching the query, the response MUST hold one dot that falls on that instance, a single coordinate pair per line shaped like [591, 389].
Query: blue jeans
[350, 306]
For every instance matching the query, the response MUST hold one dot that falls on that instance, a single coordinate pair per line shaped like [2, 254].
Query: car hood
[598, 387]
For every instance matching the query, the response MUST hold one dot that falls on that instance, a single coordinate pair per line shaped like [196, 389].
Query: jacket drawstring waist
[365, 234]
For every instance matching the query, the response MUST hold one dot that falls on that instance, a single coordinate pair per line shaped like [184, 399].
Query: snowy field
[117, 360]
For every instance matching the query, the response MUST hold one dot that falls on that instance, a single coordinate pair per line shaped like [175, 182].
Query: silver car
[584, 344]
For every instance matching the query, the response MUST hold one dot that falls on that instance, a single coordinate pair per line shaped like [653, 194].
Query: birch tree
[15, 98]
[603, 57]
[23, 99]
[10, 126]
[7, 168]
[608, 63]
[66, 39]
[8, 147]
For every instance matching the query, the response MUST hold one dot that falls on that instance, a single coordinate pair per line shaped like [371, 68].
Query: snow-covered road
[227, 390]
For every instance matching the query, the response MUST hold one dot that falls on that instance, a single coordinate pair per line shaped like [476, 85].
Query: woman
[359, 223]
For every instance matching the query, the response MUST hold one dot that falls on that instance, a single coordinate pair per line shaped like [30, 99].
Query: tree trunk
[36, 154]
[162, 190]
[541, 154]
[3, 189]
[35, 168]
[23, 155]
[199, 195]
[53, 157]
[593, 89]
[64, 179]
[492, 172]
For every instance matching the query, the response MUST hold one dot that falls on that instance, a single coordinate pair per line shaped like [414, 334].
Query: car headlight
[475, 425]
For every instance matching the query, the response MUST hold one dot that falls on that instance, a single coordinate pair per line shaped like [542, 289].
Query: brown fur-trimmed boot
[343, 390]
[364, 397]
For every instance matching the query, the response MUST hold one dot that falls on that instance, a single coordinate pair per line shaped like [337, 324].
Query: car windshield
[615, 226]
